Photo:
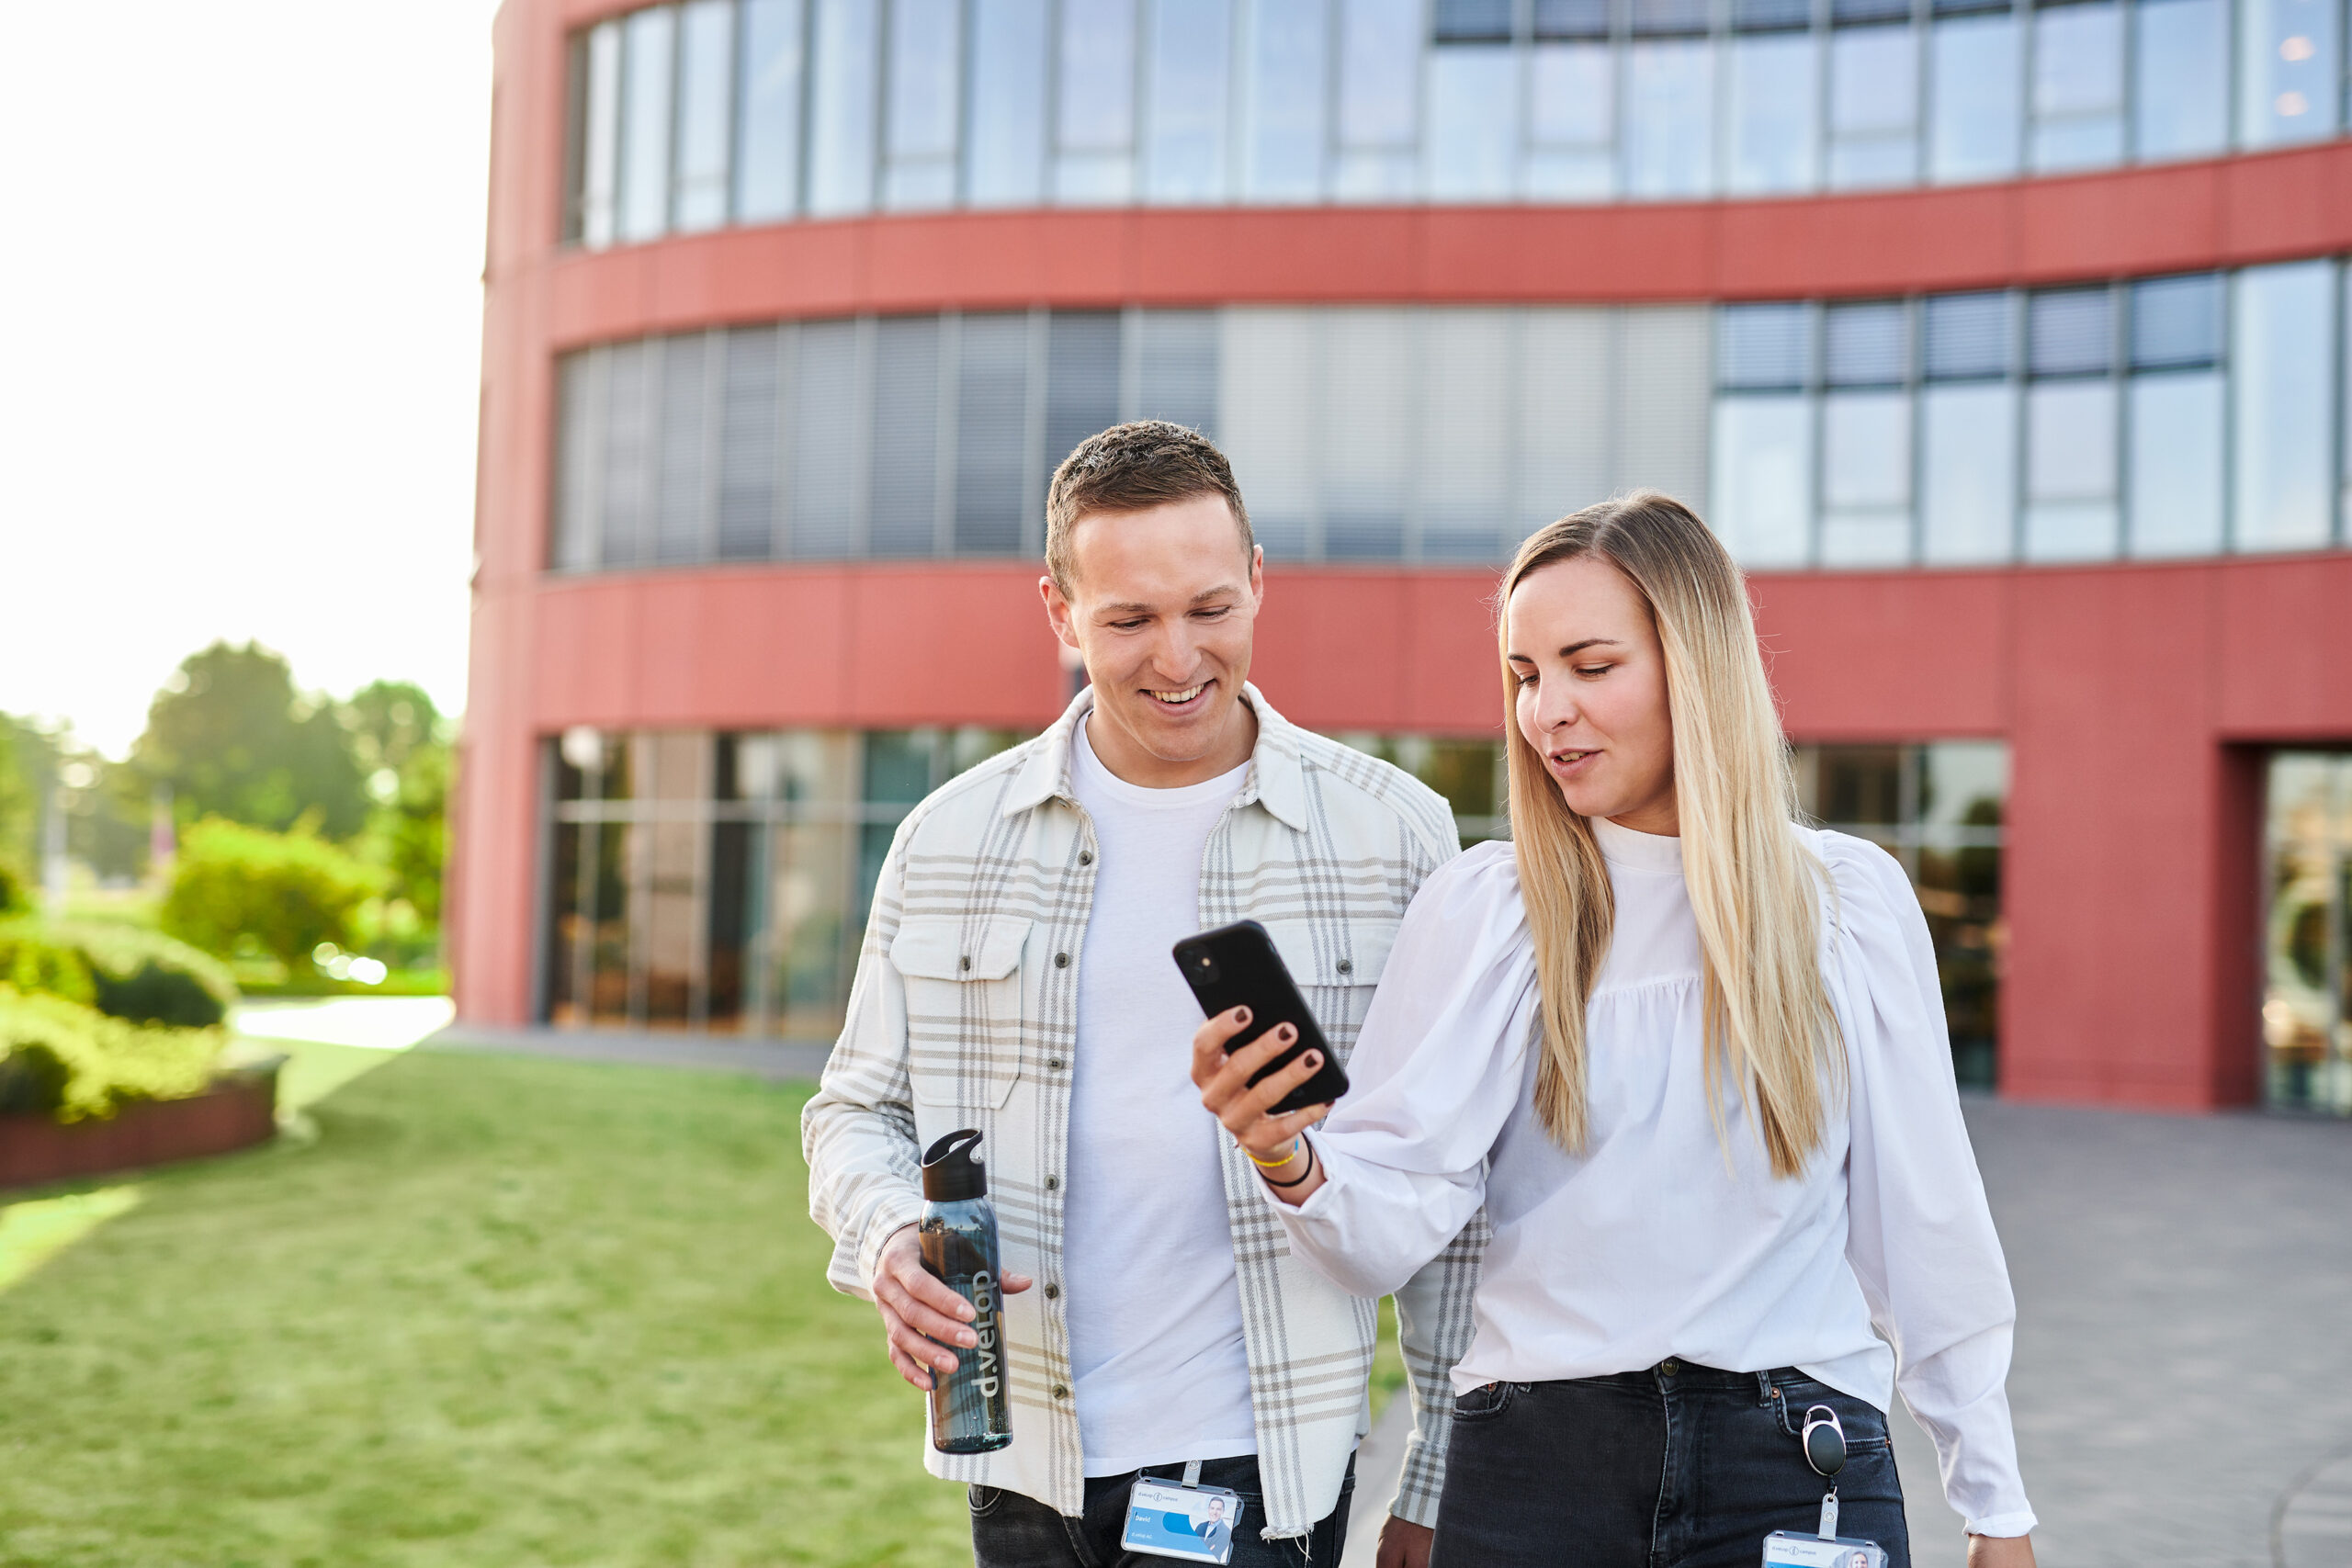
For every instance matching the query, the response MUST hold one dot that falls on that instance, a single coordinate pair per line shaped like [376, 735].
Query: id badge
[1192, 1524]
[1784, 1550]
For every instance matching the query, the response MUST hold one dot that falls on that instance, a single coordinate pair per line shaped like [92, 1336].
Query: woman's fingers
[1208, 1042]
[1232, 1079]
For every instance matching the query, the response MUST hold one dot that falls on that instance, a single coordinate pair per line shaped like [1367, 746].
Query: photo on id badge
[1782, 1550]
[1193, 1524]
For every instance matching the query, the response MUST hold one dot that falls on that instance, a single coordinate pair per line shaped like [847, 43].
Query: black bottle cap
[950, 1173]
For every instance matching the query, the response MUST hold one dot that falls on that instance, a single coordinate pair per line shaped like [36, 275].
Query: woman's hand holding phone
[1223, 1078]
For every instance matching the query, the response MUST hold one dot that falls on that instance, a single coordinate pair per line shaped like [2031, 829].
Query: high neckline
[1637, 851]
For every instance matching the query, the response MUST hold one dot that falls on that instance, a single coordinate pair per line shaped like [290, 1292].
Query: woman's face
[1592, 691]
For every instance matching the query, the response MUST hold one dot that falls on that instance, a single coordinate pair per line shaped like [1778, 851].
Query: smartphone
[1236, 967]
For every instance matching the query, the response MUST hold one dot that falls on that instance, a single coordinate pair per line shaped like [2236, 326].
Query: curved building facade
[2003, 343]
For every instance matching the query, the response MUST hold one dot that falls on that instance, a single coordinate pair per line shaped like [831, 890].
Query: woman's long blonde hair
[1753, 885]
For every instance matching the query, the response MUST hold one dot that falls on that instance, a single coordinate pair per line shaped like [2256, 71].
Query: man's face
[1161, 606]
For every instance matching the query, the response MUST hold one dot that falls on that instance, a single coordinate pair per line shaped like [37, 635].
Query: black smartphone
[1236, 967]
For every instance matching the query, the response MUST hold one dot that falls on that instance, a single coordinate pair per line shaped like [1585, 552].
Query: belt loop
[1763, 1387]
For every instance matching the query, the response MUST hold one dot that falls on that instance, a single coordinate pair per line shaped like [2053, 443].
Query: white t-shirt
[1161, 1370]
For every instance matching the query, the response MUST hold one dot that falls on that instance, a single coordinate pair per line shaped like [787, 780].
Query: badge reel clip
[1185, 1520]
[1825, 1451]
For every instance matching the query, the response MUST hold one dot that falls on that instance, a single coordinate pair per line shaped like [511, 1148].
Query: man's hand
[921, 1316]
[2000, 1551]
[1403, 1545]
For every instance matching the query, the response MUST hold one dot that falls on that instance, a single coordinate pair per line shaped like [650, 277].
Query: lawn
[496, 1311]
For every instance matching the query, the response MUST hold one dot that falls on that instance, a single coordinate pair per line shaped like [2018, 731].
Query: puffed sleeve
[1435, 1073]
[1921, 1241]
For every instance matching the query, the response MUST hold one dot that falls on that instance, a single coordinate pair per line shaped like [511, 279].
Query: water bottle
[972, 1408]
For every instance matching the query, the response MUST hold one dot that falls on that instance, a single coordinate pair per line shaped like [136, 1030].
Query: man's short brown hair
[1133, 467]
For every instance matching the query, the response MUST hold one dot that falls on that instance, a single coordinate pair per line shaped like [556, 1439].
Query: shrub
[14, 899]
[148, 978]
[34, 960]
[60, 1058]
[287, 892]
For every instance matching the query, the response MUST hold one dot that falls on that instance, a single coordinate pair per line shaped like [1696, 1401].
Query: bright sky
[240, 343]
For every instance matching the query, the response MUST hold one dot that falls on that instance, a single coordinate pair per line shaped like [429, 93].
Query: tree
[287, 892]
[234, 740]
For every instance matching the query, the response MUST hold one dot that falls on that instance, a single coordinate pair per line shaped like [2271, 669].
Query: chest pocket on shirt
[1335, 964]
[963, 1007]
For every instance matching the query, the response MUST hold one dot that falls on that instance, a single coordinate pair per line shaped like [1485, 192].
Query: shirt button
[965, 961]
[1053, 1184]
[1061, 1391]
[1345, 967]
[1061, 960]
[1053, 1293]
[1055, 1062]
[1086, 857]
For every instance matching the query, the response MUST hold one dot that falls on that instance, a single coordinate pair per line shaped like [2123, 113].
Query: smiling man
[1016, 977]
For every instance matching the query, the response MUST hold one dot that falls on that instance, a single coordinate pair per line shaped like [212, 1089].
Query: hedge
[125, 971]
[62, 1059]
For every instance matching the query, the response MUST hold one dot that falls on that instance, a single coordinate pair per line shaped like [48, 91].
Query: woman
[1691, 1059]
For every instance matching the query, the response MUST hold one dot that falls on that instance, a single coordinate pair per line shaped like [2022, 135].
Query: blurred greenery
[233, 739]
[497, 1312]
[61, 1058]
[285, 894]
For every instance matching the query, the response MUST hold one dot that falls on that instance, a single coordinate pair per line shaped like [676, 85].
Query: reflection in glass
[1094, 125]
[1973, 132]
[681, 523]
[1176, 369]
[1763, 479]
[1968, 473]
[1773, 96]
[1866, 479]
[2077, 87]
[2288, 86]
[1874, 106]
[600, 123]
[767, 152]
[1565, 390]
[706, 112]
[1267, 400]
[1368, 435]
[991, 421]
[645, 123]
[2307, 979]
[904, 505]
[2069, 470]
[1380, 60]
[1464, 435]
[922, 107]
[1474, 124]
[747, 444]
[2180, 86]
[1670, 118]
[1284, 56]
[626, 483]
[842, 112]
[828, 432]
[2282, 335]
[2175, 485]
[1005, 149]
[1187, 101]
[1571, 108]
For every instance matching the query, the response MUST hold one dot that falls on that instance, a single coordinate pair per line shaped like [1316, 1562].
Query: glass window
[993, 453]
[2177, 322]
[1464, 433]
[1472, 21]
[1967, 336]
[842, 118]
[1380, 62]
[2070, 331]
[1759, 16]
[905, 451]
[1571, 19]
[1659, 397]
[1267, 400]
[1773, 102]
[600, 121]
[1975, 133]
[1184, 145]
[1874, 106]
[1474, 124]
[1571, 108]
[1763, 346]
[580, 442]
[1284, 61]
[1968, 467]
[1866, 345]
[748, 453]
[1659, 18]
[922, 107]
[681, 532]
[2180, 89]
[1095, 120]
[1763, 478]
[2174, 482]
[2288, 71]
[829, 430]
[2077, 87]
[625, 482]
[2282, 335]
[767, 152]
[646, 72]
[1670, 118]
[1176, 369]
[2069, 470]
[1082, 379]
[1866, 479]
[1006, 153]
[707, 112]
[1566, 384]
[1368, 433]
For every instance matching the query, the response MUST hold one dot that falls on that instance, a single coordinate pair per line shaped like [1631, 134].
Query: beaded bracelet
[1295, 1181]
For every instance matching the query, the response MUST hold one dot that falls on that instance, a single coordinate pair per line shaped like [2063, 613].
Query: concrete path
[715, 1052]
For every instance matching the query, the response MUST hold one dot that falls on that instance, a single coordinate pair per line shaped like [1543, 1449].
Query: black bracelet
[1295, 1181]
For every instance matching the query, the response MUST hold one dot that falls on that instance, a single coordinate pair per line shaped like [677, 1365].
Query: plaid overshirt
[964, 1013]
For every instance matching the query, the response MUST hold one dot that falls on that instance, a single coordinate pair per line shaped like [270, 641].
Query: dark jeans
[1009, 1530]
[1678, 1467]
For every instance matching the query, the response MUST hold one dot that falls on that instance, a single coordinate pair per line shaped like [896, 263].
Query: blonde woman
[1691, 1057]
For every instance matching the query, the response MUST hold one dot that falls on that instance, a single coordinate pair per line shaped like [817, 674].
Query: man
[1215, 1532]
[1016, 977]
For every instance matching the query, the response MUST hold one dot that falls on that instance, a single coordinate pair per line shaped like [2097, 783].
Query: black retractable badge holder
[1825, 1450]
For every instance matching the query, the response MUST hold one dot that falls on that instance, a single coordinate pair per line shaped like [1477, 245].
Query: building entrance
[2307, 937]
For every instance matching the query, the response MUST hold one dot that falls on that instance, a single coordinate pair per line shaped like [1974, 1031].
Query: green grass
[496, 1311]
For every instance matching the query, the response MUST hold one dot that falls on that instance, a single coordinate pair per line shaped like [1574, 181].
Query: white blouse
[1877, 1264]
